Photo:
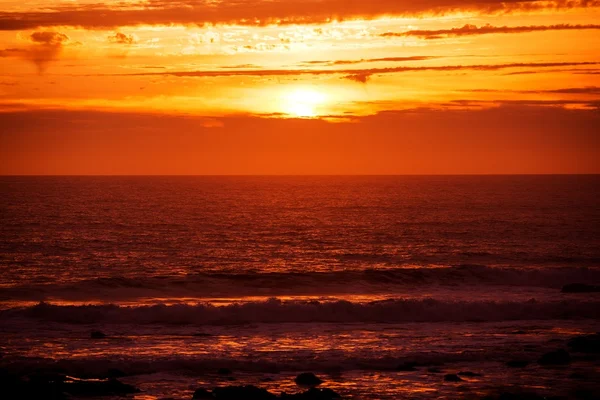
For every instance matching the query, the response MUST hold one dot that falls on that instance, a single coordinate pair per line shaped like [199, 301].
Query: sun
[303, 103]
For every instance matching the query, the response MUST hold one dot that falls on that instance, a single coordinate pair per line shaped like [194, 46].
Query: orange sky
[299, 87]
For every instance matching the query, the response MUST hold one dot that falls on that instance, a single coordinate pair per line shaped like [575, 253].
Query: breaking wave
[337, 311]
[277, 284]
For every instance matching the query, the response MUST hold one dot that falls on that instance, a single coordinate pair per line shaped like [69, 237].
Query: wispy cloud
[470, 30]
[361, 75]
[367, 60]
[122, 38]
[258, 12]
[586, 90]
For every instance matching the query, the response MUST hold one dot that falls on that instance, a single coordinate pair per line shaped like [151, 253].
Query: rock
[517, 363]
[585, 343]
[224, 371]
[469, 374]
[248, 392]
[15, 388]
[115, 373]
[202, 394]
[97, 335]
[580, 288]
[586, 394]
[407, 366]
[55, 386]
[577, 375]
[97, 387]
[312, 394]
[452, 378]
[44, 377]
[308, 379]
[558, 357]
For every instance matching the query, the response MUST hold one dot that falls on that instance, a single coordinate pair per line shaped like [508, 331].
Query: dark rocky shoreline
[47, 383]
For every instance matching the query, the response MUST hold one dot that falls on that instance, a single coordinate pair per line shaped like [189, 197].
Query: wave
[207, 363]
[204, 285]
[340, 311]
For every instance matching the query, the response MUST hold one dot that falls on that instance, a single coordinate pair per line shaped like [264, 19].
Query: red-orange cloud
[359, 74]
[259, 12]
[470, 30]
[45, 48]
[122, 38]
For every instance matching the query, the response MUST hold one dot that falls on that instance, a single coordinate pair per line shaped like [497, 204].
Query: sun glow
[304, 103]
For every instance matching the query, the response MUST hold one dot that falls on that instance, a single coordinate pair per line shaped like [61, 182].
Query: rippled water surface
[348, 277]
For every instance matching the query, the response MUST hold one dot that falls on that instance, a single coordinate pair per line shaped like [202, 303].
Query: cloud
[359, 74]
[558, 103]
[240, 66]
[122, 38]
[360, 78]
[594, 90]
[13, 52]
[49, 38]
[46, 47]
[586, 90]
[576, 71]
[367, 60]
[469, 30]
[259, 12]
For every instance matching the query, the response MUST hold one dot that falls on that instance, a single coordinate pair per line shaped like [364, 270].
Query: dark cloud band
[260, 12]
[471, 30]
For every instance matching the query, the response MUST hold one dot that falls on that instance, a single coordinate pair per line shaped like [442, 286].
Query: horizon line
[287, 175]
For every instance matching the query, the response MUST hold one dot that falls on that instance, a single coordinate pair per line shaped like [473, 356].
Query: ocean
[381, 286]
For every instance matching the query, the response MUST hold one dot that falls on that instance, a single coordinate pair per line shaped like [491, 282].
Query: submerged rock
[308, 379]
[558, 357]
[452, 378]
[585, 343]
[202, 394]
[577, 375]
[115, 373]
[55, 386]
[407, 366]
[580, 288]
[97, 387]
[15, 388]
[248, 392]
[517, 363]
[469, 374]
[98, 335]
[586, 394]
[224, 371]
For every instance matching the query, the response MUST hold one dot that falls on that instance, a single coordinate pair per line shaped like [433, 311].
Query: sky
[281, 87]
